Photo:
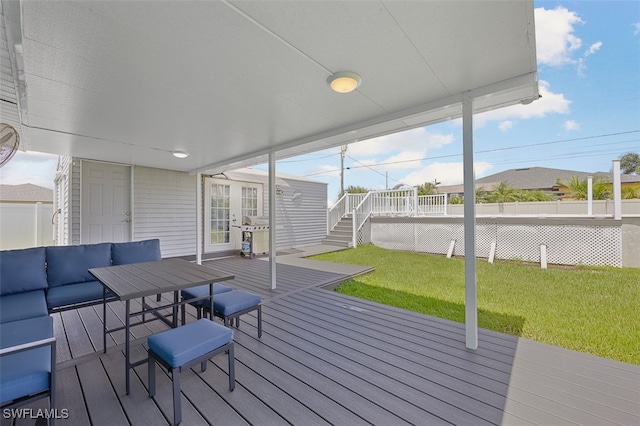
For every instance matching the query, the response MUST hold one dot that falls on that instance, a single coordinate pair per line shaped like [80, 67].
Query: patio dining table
[139, 280]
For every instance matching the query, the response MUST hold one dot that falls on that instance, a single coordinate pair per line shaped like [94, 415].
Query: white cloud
[417, 140]
[322, 170]
[593, 48]
[505, 125]
[445, 173]
[549, 103]
[571, 125]
[555, 38]
[30, 167]
[636, 28]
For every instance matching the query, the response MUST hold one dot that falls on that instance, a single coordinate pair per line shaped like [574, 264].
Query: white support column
[589, 195]
[415, 202]
[272, 219]
[199, 219]
[471, 302]
[617, 191]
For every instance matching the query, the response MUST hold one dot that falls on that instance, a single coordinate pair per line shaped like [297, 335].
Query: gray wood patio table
[138, 280]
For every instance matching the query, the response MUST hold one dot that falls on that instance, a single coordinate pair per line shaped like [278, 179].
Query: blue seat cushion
[203, 290]
[181, 345]
[71, 264]
[135, 252]
[20, 306]
[22, 270]
[234, 301]
[26, 372]
[75, 293]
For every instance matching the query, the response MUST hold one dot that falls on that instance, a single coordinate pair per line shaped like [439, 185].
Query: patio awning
[231, 81]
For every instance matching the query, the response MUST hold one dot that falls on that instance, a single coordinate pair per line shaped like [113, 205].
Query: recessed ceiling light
[344, 81]
[180, 154]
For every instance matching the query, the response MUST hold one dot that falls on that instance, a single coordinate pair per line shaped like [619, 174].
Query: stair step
[331, 242]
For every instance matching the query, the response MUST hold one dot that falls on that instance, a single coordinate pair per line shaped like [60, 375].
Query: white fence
[568, 241]
[24, 225]
[573, 208]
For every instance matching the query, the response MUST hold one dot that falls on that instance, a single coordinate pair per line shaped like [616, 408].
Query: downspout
[470, 282]
[272, 219]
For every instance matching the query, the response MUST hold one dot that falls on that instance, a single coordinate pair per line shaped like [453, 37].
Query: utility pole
[343, 151]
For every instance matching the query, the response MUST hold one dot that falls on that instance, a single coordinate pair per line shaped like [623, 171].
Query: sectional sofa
[38, 281]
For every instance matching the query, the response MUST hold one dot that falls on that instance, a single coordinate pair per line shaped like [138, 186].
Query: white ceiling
[228, 82]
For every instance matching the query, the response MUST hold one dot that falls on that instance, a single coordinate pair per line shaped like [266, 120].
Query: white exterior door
[106, 203]
[225, 203]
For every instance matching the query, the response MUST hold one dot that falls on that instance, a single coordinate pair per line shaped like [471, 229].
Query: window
[220, 214]
[249, 201]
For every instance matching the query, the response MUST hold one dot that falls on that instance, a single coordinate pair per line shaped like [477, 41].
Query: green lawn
[588, 309]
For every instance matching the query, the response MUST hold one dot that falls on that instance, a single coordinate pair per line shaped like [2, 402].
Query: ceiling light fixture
[180, 154]
[344, 81]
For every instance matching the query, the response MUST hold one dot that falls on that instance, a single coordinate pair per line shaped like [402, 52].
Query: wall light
[180, 154]
[344, 81]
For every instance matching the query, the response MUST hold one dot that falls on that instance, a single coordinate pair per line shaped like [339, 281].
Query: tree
[630, 163]
[428, 188]
[578, 189]
[354, 189]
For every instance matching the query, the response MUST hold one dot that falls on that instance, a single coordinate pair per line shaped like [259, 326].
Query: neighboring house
[25, 216]
[25, 193]
[114, 202]
[536, 178]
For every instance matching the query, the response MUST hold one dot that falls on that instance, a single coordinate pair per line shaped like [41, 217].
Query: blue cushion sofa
[35, 282]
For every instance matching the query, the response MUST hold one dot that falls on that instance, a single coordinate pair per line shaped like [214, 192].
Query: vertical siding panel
[75, 201]
[164, 207]
[301, 213]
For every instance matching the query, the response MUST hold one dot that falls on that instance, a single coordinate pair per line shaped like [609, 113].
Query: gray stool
[183, 347]
[231, 304]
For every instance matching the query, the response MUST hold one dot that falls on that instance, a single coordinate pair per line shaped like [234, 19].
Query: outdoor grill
[255, 235]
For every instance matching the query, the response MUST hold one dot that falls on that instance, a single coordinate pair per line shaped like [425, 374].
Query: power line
[491, 151]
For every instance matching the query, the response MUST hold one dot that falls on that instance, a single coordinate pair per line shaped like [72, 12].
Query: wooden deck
[325, 358]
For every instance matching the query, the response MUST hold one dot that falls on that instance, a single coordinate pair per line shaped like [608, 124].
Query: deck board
[327, 358]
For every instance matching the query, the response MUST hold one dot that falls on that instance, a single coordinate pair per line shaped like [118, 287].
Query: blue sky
[589, 71]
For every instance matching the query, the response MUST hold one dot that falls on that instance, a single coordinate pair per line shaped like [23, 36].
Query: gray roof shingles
[26, 192]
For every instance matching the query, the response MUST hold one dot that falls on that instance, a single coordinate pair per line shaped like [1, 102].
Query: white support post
[470, 281]
[354, 233]
[445, 203]
[492, 252]
[199, 219]
[452, 246]
[415, 202]
[589, 195]
[543, 256]
[272, 219]
[617, 191]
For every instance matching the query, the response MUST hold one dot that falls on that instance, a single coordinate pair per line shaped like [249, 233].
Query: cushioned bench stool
[183, 347]
[201, 291]
[230, 305]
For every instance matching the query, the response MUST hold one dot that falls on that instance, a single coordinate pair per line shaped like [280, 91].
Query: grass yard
[588, 309]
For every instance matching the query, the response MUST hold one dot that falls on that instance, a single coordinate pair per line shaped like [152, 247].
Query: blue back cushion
[135, 252]
[70, 264]
[22, 270]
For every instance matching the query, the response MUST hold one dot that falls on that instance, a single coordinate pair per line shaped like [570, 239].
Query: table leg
[174, 310]
[104, 319]
[211, 301]
[127, 349]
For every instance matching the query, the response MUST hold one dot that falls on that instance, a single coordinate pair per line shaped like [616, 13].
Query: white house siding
[75, 202]
[164, 207]
[63, 201]
[303, 220]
